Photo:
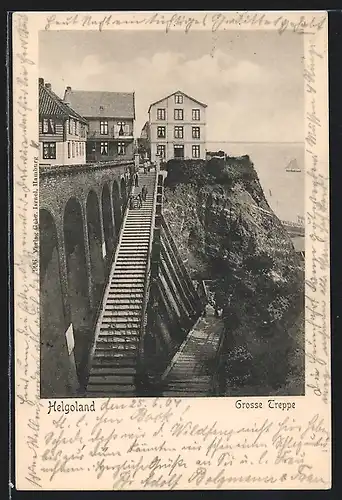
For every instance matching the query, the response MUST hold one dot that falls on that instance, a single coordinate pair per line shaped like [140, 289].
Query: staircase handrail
[106, 288]
[167, 230]
[146, 294]
[203, 288]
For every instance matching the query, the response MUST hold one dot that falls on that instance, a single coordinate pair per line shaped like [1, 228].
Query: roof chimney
[48, 86]
[67, 95]
[41, 81]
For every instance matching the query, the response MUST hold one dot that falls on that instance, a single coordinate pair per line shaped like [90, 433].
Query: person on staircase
[139, 200]
[219, 303]
[136, 180]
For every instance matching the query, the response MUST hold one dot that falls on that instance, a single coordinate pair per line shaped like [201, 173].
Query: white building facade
[177, 127]
[62, 131]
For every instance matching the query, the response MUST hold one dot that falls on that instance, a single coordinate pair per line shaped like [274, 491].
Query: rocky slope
[227, 233]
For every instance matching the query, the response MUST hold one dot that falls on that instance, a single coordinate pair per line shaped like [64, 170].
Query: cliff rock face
[227, 233]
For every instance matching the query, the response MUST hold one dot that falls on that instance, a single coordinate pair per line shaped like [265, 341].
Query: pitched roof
[178, 92]
[107, 104]
[52, 105]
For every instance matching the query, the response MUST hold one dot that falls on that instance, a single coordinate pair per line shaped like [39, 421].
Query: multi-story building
[110, 117]
[62, 131]
[144, 148]
[177, 127]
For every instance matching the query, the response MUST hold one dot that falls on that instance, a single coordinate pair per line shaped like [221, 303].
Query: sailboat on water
[293, 166]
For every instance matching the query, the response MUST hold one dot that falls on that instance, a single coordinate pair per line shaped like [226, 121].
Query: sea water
[283, 190]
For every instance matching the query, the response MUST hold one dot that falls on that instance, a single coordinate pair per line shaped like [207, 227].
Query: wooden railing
[112, 133]
[147, 286]
[105, 291]
[203, 293]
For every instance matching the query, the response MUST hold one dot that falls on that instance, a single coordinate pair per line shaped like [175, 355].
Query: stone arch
[55, 364]
[107, 220]
[123, 191]
[95, 244]
[77, 284]
[116, 206]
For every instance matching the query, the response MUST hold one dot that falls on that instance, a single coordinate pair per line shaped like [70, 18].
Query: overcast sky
[251, 81]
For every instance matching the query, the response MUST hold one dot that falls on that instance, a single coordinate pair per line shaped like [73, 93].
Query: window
[196, 132]
[196, 151]
[73, 149]
[49, 126]
[160, 114]
[161, 150]
[196, 114]
[49, 150]
[69, 150]
[103, 127]
[72, 126]
[178, 133]
[104, 148]
[179, 114]
[161, 132]
[178, 99]
[121, 126]
[76, 127]
[121, 148]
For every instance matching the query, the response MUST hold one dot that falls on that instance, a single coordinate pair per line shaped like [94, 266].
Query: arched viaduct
[80, 212]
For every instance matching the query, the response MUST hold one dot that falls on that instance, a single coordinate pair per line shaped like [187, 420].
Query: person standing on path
[136, 180]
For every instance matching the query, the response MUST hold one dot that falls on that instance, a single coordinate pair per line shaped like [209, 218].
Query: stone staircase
[113, 363]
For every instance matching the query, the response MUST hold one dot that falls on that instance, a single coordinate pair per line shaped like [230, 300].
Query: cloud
[246, 100]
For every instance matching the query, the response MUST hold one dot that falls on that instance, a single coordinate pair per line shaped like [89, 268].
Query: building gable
[50, 105]
[162, 101]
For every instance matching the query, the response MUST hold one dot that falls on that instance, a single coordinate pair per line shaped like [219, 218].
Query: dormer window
[178, 99]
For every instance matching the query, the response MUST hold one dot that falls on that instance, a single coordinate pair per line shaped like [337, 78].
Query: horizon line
[255, 142]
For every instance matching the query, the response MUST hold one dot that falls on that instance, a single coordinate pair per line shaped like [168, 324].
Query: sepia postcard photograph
[171, 250]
